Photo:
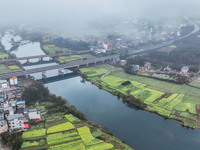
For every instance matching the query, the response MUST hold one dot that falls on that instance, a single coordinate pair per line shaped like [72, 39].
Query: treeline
[38, 93]
[71, 44]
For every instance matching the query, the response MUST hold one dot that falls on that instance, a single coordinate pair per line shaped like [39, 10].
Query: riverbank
[166, 99]
[61, 126]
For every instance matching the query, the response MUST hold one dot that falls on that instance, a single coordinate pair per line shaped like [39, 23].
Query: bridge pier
[40, 59]
[61, 71]
[44, 76]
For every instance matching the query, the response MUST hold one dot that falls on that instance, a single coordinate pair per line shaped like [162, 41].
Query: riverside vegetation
[174, 101]
[62, 126]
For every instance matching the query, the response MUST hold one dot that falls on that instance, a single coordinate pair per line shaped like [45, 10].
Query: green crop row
[60, 127]
[72, 119]
[34, 134]
[62, 137]
[77, 145]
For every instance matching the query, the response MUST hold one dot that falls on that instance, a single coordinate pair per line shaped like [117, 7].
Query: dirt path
[105, 74]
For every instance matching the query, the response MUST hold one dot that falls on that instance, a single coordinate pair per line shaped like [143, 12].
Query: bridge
[41, 57]
[59, 67]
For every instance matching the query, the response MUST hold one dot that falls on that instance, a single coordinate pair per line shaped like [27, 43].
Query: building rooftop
[15, 116]
[8, 108]
[32, 110]
[185, 68]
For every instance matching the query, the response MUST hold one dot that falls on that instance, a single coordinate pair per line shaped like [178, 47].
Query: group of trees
[38, 93]
[71, 44]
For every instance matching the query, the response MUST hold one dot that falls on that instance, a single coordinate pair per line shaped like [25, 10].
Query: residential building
[15, 122]
[147, 65]
[8, 111]
[34, 114]
[123, 62]
[3, 126]
[13, 81]
[4, 84]
[184, 69]
[135, 68]
[2, 117]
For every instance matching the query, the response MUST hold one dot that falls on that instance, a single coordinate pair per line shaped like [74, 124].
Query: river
[140, 129]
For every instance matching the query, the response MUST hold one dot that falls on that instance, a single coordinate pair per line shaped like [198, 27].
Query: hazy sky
[78, 12]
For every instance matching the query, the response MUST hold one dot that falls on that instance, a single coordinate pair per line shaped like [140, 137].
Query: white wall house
[13, 80]
[15, 122]
[34, 114]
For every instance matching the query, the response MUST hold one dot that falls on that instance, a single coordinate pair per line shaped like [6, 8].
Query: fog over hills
[75, 14]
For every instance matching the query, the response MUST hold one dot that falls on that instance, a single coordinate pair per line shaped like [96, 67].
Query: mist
[77, 14]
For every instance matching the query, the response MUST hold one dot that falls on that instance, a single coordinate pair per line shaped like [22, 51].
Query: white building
[4, 84]
[34, 114]
[184, 69]
[8, 111]
[13, 80]
[15, 122]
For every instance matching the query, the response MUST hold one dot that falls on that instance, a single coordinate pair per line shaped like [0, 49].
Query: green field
[183, 98]
[52, 49]
[4, 69]
[72, 58]
[3, 55]
[72, 119]
[196, 82]
[15, 68]
[69, 136]
[35, 134]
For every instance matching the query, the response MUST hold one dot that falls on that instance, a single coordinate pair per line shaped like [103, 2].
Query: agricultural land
[52, 49]
[58, 131]
[73, 58]
[174, 101]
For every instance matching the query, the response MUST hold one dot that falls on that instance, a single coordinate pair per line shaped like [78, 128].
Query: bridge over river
[60, 67]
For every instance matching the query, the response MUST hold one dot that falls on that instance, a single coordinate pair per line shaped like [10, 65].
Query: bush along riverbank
[170, 100]
[62, 126]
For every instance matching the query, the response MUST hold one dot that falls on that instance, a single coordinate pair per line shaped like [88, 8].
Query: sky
[76, 13]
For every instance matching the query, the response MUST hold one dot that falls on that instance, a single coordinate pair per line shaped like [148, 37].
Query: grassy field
[196, 82]
[167, 99]
[15, 68]
[73, 58]
[4, 55]
[52, 49]
[4, 69]
[72, 134]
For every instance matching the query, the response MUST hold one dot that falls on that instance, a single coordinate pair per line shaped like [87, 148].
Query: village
[14, 116]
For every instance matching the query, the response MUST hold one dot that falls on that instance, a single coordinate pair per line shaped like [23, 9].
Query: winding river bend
[140, 129]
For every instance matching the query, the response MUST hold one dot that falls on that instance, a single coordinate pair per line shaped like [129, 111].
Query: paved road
[63, 66]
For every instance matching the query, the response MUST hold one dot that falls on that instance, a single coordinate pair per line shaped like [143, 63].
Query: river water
[140, 129]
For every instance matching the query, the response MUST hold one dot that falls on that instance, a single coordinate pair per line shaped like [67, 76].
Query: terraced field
[167, 99]
[68, 136]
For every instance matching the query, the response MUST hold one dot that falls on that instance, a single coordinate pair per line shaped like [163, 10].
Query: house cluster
[13, 113]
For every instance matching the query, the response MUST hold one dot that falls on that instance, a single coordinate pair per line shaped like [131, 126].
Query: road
[63, 66]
